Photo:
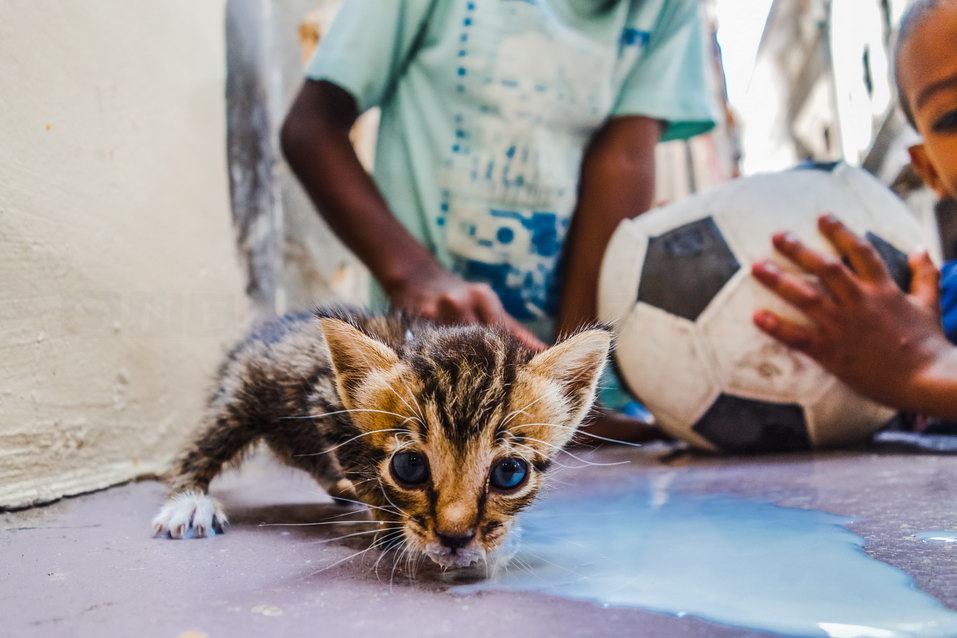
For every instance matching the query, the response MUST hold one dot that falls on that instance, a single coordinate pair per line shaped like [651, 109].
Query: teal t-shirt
[488, 105]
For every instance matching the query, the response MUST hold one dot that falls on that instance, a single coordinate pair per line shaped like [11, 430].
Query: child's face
[928, 78]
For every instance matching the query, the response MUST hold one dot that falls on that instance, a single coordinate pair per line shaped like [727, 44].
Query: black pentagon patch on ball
[747, 426]
[685, 268]
[894, 259]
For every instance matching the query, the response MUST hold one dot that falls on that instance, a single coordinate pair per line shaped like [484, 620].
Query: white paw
[190, 515]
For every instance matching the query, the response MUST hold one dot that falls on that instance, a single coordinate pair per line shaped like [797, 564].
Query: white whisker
[405, 551]
[349, 513]
[399, 510]
[395, 541]
[579, 430]
[365, 533]
[515, 413]
[375, 545]
[556, 462]
[556, 565]
[563, 450]
[376, 507]
[405, 419]
[369, 522]
[418, 407]
[418, 413]
[336, 447]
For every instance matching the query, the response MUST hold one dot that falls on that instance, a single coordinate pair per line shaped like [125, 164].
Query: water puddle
[946, 537]
[733, 561]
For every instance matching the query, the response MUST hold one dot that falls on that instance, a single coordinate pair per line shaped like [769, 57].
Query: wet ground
[87, 566]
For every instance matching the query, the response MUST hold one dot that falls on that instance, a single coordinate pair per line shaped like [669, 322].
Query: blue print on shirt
[542, 226]
[526, 302]
[528, 99]
[631, 37]
[528, 287]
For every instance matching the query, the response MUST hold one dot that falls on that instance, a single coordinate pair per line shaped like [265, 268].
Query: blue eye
[410, 468]
[508, 474]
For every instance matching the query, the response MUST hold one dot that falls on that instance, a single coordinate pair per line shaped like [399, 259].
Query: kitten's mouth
[458, 558]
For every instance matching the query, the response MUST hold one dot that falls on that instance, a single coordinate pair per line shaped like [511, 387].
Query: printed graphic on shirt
[531, 92]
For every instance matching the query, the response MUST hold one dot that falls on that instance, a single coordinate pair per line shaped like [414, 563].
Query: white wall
[118, 277]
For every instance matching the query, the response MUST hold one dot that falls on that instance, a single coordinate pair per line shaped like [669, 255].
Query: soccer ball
[676, 285]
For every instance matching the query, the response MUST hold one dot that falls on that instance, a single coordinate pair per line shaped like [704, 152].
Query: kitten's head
[455, 429]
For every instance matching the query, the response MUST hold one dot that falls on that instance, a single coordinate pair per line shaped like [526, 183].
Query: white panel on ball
[665, 365]
[858, 417]
[618, 282]
[767, 204]
[751, 365]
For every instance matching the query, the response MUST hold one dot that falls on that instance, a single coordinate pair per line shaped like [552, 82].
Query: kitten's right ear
[576, 365]
[356, 358]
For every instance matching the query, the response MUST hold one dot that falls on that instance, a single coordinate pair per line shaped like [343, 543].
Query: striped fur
[338, 393]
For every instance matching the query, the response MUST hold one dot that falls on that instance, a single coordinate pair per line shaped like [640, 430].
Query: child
[515, 136]
[885, 344]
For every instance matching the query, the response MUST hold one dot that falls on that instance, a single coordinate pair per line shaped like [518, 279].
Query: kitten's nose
[456, 541]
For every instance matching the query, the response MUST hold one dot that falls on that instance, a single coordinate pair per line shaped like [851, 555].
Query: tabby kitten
[446, 432]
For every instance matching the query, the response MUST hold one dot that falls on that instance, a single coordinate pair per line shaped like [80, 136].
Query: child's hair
[914, 16]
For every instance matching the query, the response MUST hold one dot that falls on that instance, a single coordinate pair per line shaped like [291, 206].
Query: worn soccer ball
[676, 285]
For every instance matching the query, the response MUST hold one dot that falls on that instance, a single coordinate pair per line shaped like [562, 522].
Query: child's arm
[617, 182]
[315, 141]
[883, 343]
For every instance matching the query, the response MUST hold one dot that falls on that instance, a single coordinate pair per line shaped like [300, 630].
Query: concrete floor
[87, 566]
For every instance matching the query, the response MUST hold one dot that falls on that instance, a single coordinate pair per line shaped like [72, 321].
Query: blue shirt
[948, 299]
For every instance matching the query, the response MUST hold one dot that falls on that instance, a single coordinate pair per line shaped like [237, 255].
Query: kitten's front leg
[190, 514]
[299, 443]
[189, 511]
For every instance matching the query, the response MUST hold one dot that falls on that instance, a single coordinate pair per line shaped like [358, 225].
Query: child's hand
[867, 332]
[447, 298]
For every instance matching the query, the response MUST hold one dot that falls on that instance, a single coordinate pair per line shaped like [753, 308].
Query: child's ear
[356, 358]
[926, 169]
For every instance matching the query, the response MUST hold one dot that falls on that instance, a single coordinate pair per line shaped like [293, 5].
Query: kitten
[446, 432]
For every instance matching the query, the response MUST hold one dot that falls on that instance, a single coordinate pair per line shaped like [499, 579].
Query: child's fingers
[488, 307]
[859, 252]
[489, 311]
[428, 310]
[454, 310]
[790, 334]
[523, 334]
[925, 281]
[794, 290]
[832, 273]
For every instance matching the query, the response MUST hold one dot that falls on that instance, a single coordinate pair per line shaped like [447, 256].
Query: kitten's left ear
[356, 358]
[576, 364]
